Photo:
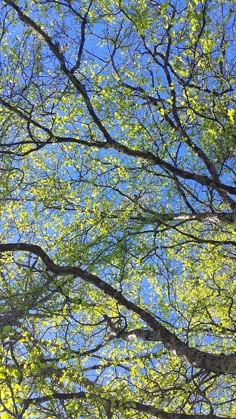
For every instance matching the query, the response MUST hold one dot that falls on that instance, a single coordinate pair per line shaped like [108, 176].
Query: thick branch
[140, 407]
[211, 217]
[220, 364]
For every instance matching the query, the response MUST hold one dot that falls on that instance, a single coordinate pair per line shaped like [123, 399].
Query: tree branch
[220, 364]
[140, 407]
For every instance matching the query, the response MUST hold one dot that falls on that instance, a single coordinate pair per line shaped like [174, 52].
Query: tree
[118, 209]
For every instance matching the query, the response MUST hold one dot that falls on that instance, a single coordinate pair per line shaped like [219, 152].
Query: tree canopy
[118, 209]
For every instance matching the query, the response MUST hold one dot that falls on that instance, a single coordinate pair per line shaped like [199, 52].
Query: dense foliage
[118, 209]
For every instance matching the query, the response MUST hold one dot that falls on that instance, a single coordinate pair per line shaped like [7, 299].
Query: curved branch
[219, 364]
[140, 407]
